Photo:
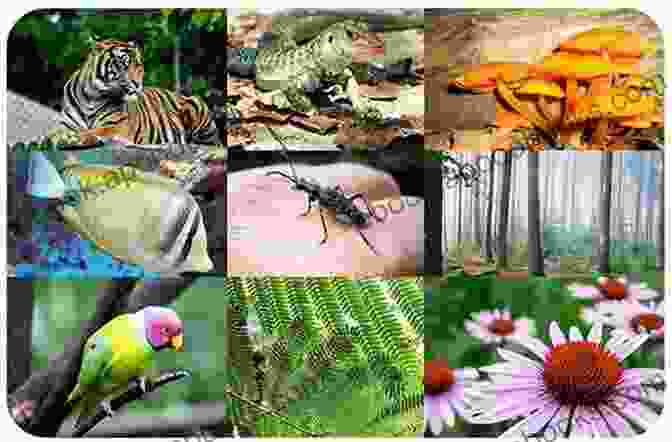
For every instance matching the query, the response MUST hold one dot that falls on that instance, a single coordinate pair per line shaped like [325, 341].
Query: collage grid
[238, 223]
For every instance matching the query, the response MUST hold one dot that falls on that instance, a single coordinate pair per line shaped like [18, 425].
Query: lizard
[307, 51]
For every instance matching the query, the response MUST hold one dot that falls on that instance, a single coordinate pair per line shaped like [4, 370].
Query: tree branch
[38, 406]
[130, 395]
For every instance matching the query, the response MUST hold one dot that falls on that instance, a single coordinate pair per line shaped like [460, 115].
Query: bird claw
[142, 384]
[108, 408]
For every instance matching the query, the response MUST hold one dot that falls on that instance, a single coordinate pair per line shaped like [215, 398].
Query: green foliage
[77, 30]
[342, 355]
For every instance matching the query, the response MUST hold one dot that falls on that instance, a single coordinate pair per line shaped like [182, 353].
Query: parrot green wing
[96, 362]
[112, 357]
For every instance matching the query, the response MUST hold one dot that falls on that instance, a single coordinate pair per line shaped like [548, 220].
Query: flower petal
[516, 358]
[510, 369]
[623, 345]
[557, 336]
[575, 334]
[535, 345]
[466, 374]
[639, 414]
[645, 294]
[595, 333]
[534, 422]
[584, 292]
[436, 425]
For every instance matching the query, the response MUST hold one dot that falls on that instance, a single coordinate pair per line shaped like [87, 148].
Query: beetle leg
[367, 242]
[324, 226]
[366, 202]
[310, 206]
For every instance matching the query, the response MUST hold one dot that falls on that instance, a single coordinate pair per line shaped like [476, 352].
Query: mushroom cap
[546, 88]
[638, 122]
[483, 77]
[510, 120]
[581, 66]
[614, 40]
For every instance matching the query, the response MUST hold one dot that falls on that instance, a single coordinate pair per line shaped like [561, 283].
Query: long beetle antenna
[284, 152]
[328, 198]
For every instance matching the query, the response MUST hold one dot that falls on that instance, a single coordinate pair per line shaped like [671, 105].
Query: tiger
[105, 100]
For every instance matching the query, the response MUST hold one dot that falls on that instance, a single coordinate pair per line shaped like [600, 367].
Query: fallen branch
[127, 397]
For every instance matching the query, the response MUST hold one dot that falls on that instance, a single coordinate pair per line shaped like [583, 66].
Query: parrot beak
[177, 342]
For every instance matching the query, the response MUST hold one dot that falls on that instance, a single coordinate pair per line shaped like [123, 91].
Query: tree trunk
[459, 214]
[502, 251]
[477, 215]
[637, 230]
[19, 331]
[660, 249]
[605, 211]
[434, 222]
[535, 257]
[491, 201]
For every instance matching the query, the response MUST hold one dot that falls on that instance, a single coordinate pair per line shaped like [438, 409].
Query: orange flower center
[647, 321]
[439, 377]
[581, 373]
[613, 289]
[502, 327]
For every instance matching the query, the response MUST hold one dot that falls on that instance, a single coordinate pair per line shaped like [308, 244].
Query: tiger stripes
[105, 98]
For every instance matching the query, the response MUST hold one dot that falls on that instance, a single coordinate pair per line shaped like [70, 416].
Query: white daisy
[577, 387]
[631, 317]
[494, 327]
[613, 289]
[446, 393]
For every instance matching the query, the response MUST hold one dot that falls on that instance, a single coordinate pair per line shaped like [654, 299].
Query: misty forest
[561, 213]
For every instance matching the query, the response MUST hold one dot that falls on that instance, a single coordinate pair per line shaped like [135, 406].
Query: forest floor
[405, 98]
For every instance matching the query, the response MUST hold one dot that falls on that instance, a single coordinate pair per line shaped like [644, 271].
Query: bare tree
[660, 249]
[605, 212]
[459, 214]
[504, 213]
[491, 201]
[477, 214]
[535, 257]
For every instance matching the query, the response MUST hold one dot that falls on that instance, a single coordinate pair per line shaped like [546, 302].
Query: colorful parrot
[119, 352]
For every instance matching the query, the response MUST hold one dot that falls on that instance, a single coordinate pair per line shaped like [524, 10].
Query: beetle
[334, 198]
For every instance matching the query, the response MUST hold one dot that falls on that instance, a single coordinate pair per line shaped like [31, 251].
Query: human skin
[268, 235]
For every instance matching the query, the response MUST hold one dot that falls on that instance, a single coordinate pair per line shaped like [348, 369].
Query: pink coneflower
[613, 289]
[632, 318]
[494, 327]
[445, 393]
[577, 387]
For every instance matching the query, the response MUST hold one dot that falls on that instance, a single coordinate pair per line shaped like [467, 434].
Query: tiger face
[119, 67]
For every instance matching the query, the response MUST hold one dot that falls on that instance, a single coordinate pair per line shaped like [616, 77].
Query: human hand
[267, 233]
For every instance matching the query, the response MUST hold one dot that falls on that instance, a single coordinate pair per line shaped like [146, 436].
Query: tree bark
[660, 249]
[491, 200]
[433, 218]
[20, 304]
[477, 214]
[535, 257]
[504, 213]
[605, 211]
